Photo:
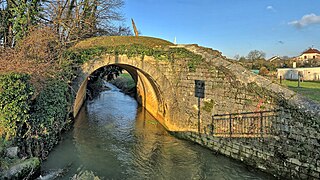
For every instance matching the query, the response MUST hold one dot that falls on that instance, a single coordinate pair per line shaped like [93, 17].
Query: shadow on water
[116, 139]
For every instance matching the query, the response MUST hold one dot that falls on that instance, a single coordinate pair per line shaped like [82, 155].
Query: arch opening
[114, 74]
[148, 93]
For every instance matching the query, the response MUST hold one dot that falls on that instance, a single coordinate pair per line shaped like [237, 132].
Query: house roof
[274, 58]
[311, 50]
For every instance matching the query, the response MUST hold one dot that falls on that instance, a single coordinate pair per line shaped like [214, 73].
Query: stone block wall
[225, 92]
[291, 151]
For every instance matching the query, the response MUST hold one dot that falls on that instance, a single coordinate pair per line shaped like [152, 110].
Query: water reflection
[116, 139]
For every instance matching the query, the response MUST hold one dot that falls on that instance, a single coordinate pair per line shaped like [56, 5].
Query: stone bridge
[165, 87]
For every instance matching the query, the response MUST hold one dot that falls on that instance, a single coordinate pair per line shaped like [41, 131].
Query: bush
[33, 125]
[263, 71]
[47, 119]
[41, 45]
[50, 107]
[15, 100]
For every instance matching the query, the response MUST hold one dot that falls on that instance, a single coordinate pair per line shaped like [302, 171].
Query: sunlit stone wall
[166, 90]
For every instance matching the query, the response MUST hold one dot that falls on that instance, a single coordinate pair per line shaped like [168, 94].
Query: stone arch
[146, 76]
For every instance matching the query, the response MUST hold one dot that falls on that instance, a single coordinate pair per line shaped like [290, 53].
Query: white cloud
[306, 20]
[270, 8]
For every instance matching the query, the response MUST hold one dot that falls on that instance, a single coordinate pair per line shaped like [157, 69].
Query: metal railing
[243, 124]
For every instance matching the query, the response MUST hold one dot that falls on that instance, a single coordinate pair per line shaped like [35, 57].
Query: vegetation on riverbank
[308, 89]
[32, 124]
[35, 97]
[94, 88]
[126, 84]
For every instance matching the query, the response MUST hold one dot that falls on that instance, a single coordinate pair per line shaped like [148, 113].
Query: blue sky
[277, 27]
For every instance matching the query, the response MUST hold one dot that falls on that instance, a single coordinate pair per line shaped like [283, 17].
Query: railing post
[199, 115]
[230, 124]
[261, 124]
[212, 121]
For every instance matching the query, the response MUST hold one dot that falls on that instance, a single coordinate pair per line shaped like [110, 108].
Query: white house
[308, 74]
[311, 53]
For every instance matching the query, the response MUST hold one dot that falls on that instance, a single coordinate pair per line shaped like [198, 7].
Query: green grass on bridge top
[107, 41]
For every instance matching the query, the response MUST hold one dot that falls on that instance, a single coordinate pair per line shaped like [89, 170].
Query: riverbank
[126, 84]
[31, 121]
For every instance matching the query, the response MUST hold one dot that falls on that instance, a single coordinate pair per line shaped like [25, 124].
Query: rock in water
[85, 175]
[26, 169]
[12, 152]
[52, 175]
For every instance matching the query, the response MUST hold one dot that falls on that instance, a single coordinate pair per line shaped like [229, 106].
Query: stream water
[116, 139]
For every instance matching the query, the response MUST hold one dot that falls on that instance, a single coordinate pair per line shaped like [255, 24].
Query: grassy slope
[308, 89]
[106, 41]
[131, 46]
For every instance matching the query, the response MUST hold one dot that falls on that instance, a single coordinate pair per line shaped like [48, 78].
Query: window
[314, 57]
[305, 57]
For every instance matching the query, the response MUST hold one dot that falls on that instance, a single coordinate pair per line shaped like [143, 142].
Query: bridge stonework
[166, 90]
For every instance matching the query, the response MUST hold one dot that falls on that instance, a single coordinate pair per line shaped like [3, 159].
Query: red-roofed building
[311, 53]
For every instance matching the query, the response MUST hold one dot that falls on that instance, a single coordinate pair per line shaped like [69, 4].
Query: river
[116, 139]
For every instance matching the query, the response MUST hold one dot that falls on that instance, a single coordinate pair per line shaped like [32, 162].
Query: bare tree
[77, 19]
[72, 20]
[256, 55]
[236, 57]
[122, 30]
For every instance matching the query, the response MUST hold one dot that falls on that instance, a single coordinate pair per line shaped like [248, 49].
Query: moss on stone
[94, 48]
[208, 105]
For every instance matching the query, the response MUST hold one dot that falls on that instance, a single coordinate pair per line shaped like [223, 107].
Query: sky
[234, 27]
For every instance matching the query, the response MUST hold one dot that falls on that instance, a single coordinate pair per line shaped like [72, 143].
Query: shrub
[15, 100]
[48, 117]
[263, 71]
[41, 45]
